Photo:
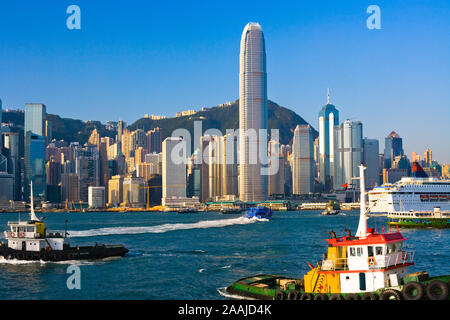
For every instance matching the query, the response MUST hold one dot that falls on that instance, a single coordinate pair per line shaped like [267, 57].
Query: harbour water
[190, 256]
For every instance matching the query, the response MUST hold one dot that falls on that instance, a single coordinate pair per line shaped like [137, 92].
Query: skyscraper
[328, 119]
[393, 147]
[349, 153]
[252, 113]
[173, 170]
[35, 118]
[303, 160]
[34, 159]
[371, 153]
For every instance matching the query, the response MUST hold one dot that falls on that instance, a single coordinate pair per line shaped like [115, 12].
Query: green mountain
[226, 117]
[222, 118]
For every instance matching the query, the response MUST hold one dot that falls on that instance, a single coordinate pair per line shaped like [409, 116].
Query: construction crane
[148, 192]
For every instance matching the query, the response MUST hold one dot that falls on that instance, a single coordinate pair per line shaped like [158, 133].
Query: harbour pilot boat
[258, 212]
[367, 266]
[29, 240]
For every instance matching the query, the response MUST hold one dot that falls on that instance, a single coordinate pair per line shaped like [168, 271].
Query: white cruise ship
[411, 194]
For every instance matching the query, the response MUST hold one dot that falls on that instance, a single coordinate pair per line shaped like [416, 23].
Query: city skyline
[372, 75]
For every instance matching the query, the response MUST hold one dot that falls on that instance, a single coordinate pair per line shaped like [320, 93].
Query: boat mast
[32, 214]
[362, 226]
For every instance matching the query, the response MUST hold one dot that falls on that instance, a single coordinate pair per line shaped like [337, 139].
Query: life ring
[371, 261]
[21, 234]
[12, 234]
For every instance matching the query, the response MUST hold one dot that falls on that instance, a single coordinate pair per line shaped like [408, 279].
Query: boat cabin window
[359, 251]
[352, 251]
[21, 229]
[395, 246]
[30, 229]
[370, 251]
[379, 251]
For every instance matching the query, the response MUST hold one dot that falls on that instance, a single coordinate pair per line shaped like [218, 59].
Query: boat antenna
[362, 226]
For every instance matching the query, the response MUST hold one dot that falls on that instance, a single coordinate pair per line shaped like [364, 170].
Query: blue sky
[132, 58]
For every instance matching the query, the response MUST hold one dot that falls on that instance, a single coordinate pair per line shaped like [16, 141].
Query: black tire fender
[320, 296]
[280, 295]
[391, 294]
[352, 296]
[369, 296]
[336, 296]
[409, 289]
[307, 296]
[293, 295]
[437, 290]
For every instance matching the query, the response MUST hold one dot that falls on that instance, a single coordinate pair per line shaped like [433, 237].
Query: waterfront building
[6, 188]
[144, 170]
[156, 160]
[204, 170]
[53, 172]
[303, 161]
[115, 190]
[328, 120]
[348, 154]
[276, 181]
[34, 160]
[393, 175]
[12, 144]
[229, 165]
[252, 113]
[87, 167]
[371, 161]
[70, 187]
[173, 169]
[35, 118]
[155, 189]
[194, 168]
[96, 197]
[393, 147]
[134, 193]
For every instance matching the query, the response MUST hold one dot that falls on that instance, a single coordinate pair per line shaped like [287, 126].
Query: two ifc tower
[252, 112]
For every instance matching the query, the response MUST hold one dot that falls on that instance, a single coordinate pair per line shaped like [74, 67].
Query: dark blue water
[189, 256]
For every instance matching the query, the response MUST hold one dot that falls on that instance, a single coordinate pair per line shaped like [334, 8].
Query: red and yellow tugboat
[366, 266]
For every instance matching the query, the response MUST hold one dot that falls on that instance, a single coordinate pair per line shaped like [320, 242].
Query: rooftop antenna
[328, 95]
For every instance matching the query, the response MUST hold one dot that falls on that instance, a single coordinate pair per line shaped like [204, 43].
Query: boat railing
[398, 258]
[335, 264]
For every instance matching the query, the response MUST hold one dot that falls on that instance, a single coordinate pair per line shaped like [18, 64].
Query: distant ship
[417, 193]
[29, 240]
[258, 212]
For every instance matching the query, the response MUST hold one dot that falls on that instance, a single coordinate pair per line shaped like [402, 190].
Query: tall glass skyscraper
[35, 118]
[35, 167]
[393, 147]
[349, 153]
[328, 119]
[252, 113]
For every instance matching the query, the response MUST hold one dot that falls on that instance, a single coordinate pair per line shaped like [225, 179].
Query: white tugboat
[29, 240]
[368, 266]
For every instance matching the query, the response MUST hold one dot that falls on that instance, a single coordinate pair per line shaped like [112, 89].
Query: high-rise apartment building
[34, 160]
[371, 161]
[35, 118]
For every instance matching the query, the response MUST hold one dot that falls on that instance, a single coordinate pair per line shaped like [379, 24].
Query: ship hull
[267, 287]
[67, 254]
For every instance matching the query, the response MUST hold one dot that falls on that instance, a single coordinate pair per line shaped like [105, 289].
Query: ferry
[369, 265]
[420, 219]
[30, 241]
[418, 193]
[258, 212]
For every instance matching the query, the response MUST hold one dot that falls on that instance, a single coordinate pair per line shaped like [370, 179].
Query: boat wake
[70, 262]
[163, 227]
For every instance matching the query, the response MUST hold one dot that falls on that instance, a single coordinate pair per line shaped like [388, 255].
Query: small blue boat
[258, 212]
